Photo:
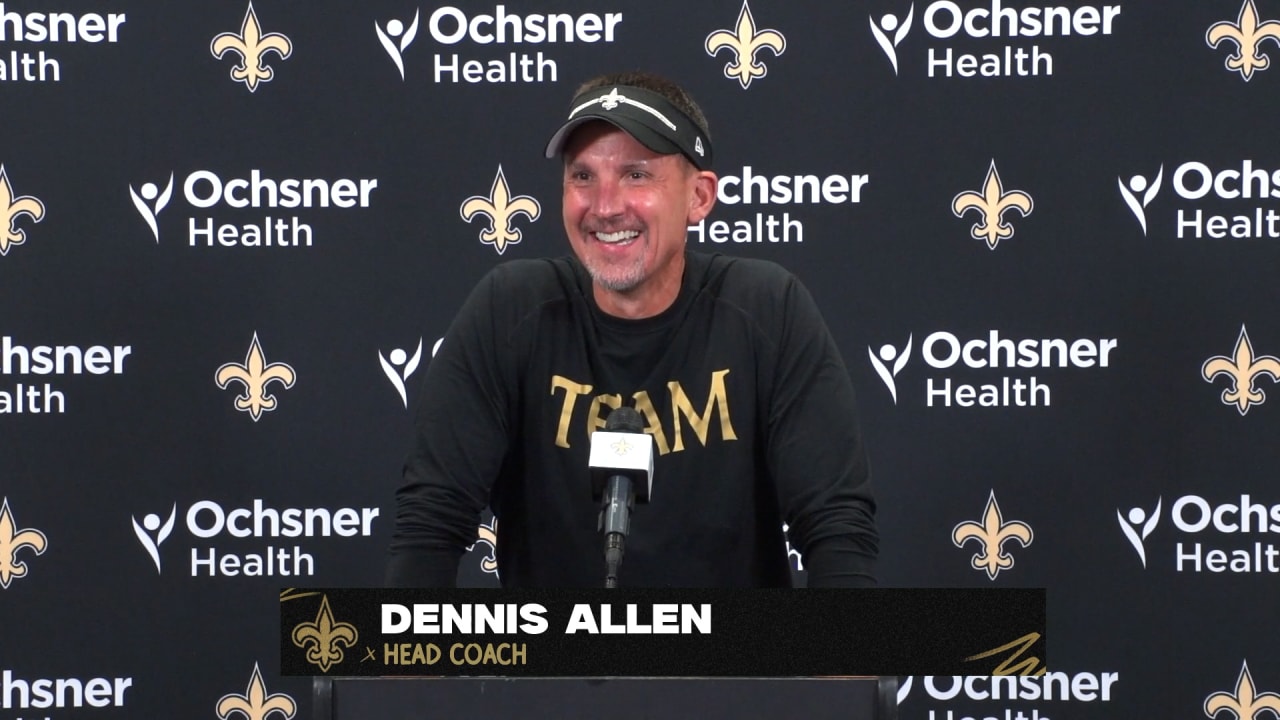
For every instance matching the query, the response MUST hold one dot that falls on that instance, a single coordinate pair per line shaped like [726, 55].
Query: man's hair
[674, 94]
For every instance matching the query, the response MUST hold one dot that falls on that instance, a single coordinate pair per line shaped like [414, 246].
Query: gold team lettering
[457, 654]
[682, 410]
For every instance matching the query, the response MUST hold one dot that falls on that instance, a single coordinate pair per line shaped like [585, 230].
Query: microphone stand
[615, 521]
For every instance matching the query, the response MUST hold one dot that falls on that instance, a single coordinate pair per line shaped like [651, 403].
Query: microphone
[621, 465]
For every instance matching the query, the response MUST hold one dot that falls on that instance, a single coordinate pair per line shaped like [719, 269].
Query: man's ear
[703, 200]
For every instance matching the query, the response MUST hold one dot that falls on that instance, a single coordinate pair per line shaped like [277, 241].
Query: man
[728, 362]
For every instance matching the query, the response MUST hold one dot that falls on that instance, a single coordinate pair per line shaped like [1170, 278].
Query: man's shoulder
[749, 280]
[534, 278]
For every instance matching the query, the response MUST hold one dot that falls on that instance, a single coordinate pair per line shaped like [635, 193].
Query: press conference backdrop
[1044, 235]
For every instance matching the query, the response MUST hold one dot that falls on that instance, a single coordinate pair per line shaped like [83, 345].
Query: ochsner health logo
[759, 205]
[255, 540]
[889, 23]
[1221, 526]
[1215, 199]
[150, 201]
[493, 34]
[988, 39]
[1139, 187]
[1137, 525]
[1023, 696]
[890, 354]
[396, 39]
[254, 210]
[967, 364]
[153, 532]
[398, 365]
[48, 30]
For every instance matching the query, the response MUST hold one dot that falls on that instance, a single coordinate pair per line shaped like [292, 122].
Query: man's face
[626, 208]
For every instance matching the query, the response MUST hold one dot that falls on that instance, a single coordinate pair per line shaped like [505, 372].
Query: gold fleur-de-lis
[621, 447]
[325, 637]
[992, 534]
[1247, 33]
[992, 203]
[256, 704]
[10, 209]
[488, 535]
[501, 209]
[1246, 703]
[745, 41]
[1243, 369]
[255, 374]
[252, 46]
[11, 541]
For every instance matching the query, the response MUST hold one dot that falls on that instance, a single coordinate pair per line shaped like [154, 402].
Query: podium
[491, 698]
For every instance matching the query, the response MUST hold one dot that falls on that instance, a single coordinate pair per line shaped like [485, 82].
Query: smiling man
[728, 362]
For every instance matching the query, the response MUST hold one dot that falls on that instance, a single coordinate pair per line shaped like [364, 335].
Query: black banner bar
[659, 633]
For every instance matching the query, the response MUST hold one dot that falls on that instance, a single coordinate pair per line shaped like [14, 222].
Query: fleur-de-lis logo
[992, 203]
[256, 704]
[323, 639]
[487, 534]
[11, 541]
[745, 41]
[992, 534]
[1243, 369]
[1246, 703]
[1247, 33]
[501, 209]
[255, 374]
[252, 46]
[10, 208]
[621, 447]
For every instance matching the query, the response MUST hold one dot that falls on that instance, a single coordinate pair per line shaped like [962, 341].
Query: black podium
[852, 698]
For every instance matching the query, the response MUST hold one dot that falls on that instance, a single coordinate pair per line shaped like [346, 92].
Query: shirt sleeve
[461, 440]
[815, 450]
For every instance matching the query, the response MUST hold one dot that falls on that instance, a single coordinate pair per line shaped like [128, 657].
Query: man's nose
[607, 200]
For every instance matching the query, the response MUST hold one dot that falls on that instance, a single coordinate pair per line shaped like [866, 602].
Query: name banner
[659, 632]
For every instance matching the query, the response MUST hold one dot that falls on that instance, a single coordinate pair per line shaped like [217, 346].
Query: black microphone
[621, 473]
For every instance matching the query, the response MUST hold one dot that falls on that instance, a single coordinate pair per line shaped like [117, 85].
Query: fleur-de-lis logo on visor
[10, 208]
[252, 46]
[256, 704]
[1247, 34]
[11, 541]
[1246, 703]
[254, 375]
[323, 639]
[1243, 369]
[745, 41]
[501, 209]
[992, 203]
[992, 533]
